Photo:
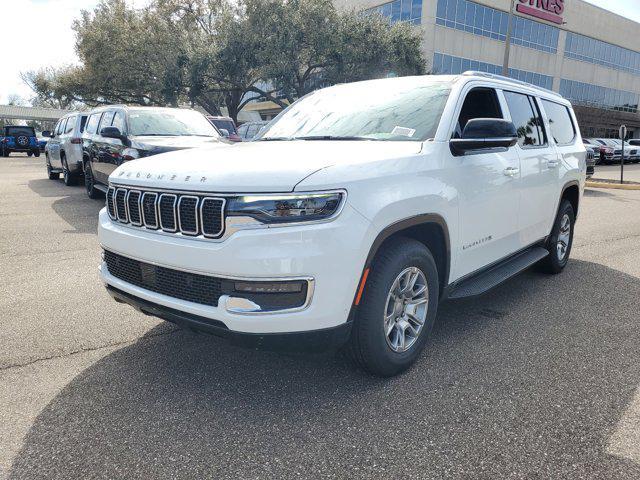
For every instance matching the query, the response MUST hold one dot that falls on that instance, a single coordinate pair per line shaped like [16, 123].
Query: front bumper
[315, 341]
[332, 254]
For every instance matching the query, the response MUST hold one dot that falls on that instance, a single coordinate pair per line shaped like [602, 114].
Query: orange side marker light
[362, 284]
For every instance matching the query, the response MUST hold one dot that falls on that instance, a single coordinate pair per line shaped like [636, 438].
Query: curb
[614, 186]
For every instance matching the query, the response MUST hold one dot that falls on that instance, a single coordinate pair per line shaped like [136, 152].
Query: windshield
[406, 109]
[170, 123]
[28, 131]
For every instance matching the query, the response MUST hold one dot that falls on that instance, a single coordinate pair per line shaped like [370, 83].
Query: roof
[31, 113]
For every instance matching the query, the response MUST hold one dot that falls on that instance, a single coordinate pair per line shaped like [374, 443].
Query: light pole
[507, 45]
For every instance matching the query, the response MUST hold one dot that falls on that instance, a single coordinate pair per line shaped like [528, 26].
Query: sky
[47, 39]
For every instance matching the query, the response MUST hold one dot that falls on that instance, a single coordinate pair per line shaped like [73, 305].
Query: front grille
[187, 214]
[193, 287]
[174, 283]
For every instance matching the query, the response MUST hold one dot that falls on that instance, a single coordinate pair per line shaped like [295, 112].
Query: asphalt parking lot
[538, 379]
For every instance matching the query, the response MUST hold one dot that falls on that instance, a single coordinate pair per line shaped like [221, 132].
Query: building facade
[589, 55]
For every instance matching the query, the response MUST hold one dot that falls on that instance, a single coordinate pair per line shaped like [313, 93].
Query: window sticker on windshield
[403, 131]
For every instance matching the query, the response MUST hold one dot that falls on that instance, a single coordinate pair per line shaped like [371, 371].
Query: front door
[487, 191]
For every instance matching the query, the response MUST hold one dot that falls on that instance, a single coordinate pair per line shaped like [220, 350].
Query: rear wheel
[89, 182]
[29, 154]
[398, 308]
[67, 176]
[560, 241]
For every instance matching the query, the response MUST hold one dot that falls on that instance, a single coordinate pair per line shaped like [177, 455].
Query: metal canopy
[31, 113]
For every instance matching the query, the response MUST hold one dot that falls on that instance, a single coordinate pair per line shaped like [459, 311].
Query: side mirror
[112, 132]
[485, 134]
[47, 134]
[224, 132]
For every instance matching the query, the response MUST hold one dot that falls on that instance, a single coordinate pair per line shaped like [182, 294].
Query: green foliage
[213, 52]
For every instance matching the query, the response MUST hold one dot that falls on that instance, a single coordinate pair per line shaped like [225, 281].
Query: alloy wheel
[406, 309]
[564, 237]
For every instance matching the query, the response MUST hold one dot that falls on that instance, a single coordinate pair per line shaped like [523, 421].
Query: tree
[215, 52]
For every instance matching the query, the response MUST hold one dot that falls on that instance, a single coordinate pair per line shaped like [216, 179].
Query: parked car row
[94, 144]
[610, 150]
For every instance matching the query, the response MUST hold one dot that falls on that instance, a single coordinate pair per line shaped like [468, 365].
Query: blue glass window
[400, 11]
[490, 22]
[449, 65]
[602, 53]
[599, 97]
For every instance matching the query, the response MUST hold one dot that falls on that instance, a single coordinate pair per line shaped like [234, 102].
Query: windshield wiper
[332, 137]
[274, 139]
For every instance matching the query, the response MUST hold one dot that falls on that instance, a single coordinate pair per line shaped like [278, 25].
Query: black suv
[19, 139]
[118, 133]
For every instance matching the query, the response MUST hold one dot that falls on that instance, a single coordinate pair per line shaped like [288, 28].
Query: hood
[253, 166]
[154, 145]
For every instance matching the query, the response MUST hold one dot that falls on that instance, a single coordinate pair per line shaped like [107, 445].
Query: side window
[479, 103]
[60, 127]
[107, 118]
[83, 122]
[71, 121]
[94, 120]
[562, 128]
[118, 121]
[526, 118]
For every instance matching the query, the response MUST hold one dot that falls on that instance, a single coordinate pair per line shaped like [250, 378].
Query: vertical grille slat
[111, 209]
[133, 204]
[149, 210]
[120, 204]
[167, 209]
[212, 217]
[187, 214]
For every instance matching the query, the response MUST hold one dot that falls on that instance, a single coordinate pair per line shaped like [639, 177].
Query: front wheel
[89, 182]
[398, 308]
[51, 174]
[560, 241]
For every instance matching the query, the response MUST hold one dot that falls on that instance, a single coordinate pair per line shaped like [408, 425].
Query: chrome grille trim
[110, 199]
[195, 215]
[137, 205]
[202, 222]
[122, 216]
[159, 209]
[145, 221]
[191, 214]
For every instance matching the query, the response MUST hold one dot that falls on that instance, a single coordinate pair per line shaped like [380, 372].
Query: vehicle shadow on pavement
[528, 381]
[73, 206]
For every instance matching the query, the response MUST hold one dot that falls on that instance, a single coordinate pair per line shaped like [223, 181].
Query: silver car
[64, 149]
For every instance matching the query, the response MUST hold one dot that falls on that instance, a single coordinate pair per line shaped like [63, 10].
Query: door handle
[552, 163]
[511, 171]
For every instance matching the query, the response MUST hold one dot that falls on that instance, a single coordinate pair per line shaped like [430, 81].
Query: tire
[50, 174]
[67, 176]
[370, 346]
[89, 182]
[36, 153]
[29, 154]
[559, 242]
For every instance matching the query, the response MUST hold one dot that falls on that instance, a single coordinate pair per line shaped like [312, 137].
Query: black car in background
[119, 133]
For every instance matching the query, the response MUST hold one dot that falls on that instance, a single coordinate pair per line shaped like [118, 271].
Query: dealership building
[589, 55]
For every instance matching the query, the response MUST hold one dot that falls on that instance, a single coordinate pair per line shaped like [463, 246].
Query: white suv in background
[351, 216]
[63, 152]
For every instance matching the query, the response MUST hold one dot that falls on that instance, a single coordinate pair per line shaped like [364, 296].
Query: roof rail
[474, 73]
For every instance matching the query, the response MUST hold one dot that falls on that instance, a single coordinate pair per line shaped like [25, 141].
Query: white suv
[355, 212]
[63, 151]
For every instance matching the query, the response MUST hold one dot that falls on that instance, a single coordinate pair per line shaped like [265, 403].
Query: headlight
[273, 209]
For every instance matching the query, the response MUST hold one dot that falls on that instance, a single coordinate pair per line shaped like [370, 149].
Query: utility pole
[507, 45]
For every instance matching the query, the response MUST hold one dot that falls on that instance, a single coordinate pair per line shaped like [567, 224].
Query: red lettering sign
[549, 10]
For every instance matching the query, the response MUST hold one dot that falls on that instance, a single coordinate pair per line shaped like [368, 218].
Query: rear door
[54, 150]
[488, 188]
[539, 167]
